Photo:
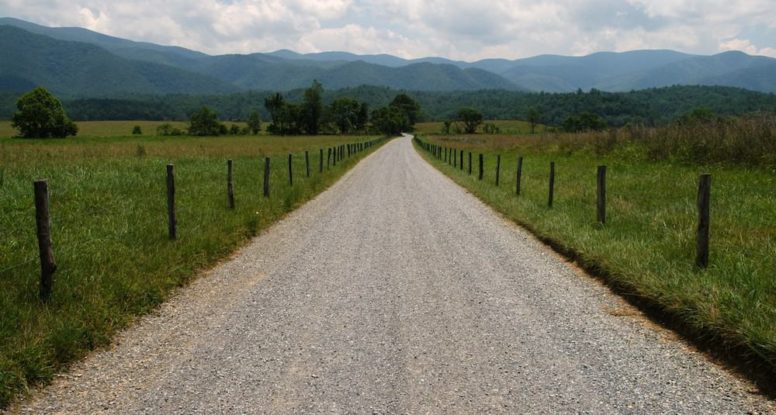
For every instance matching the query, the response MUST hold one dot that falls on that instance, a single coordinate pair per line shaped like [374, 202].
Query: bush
[136, 130]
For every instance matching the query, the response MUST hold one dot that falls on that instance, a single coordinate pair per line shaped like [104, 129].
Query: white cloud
[459, 29]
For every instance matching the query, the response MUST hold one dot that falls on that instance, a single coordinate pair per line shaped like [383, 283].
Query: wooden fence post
[460, 164]
[601, 194]
[498, 168]
[470, 163]
[704, 202]
[229, 185]
[320, 162]
[518, 175]
[46, 251]
[290, 170]
[307, 162]
[328, 158]
[335, 154]
[454, 153]
[266, 177]
[171, 219]
[552, 184]
[481, 167]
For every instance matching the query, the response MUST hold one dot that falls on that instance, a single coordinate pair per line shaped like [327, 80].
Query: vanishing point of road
[396, 292]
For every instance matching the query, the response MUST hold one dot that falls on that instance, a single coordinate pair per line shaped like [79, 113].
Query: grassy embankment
[109, 226]
[647, 247]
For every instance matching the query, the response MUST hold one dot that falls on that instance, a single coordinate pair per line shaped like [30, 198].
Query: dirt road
[396, 292]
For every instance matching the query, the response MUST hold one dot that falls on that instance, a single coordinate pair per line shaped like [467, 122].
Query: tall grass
[108, 209]
[647, 247]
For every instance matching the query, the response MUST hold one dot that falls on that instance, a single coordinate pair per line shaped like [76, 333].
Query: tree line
[41, 115]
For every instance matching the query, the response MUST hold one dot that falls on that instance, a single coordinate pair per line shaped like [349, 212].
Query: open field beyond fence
[647, 247]
[108, 207]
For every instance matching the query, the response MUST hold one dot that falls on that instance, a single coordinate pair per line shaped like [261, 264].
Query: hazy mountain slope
[81, 69]
[175, 69]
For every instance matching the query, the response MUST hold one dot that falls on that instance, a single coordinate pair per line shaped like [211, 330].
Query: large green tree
[409, 108]
[345, 113]
[41, 115]
[470, 118]
[254, 122]
[275, 105]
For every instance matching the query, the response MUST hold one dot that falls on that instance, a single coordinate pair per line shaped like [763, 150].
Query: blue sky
[458, 29]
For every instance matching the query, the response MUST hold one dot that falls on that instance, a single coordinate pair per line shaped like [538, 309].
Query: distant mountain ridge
[80, 62]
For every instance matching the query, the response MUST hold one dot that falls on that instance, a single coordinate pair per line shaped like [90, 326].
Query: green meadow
[646, 248]
[109, 228]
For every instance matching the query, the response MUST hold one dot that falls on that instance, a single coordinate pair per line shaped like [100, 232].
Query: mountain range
[77, 62]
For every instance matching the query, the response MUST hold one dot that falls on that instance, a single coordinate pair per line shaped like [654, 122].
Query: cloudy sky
[458, 29]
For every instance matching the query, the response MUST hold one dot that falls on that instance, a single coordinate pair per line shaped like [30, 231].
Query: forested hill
[650, 106]
[80, 63]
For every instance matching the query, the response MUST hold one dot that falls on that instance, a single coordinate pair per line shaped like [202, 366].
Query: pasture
[646, 248]
[109, 229]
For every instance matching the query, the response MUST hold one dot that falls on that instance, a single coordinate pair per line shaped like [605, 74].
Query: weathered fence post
[307, 162]
[461, 162]
[229, 185]
[266, 177]
[601, 194]
[335, 154]
[552, 184]
[481, 167]
[704, 202]
[171, 219]
[454, 153]
[518, 175]
[320, 162]
[43, 222]
[328, 158]
[498, 168]
[470, 163]
[290, 170]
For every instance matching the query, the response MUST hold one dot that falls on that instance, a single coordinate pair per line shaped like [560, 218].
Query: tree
[534, 117]
[389, 120]
[470, 118]
[275, 105]
[254, 122]
[41, 115]
[345, 113]
[312, 109]
[363, 117]
[205, 122]
[136, 130]
[409, 109]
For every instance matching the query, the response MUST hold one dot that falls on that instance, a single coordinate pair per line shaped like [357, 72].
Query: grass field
[507, 127]
[109, 226]
[647, 247]
[102, 129]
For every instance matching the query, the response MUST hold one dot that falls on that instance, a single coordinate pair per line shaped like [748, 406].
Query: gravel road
[396, 291]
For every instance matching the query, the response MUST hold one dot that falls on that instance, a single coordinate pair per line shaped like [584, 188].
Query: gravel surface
[396, 291]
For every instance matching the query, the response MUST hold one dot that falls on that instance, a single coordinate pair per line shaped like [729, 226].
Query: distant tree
[470, 118]
[585, 121]
[389, 120]
[446, 127]
[534, 118]
[254, 122]
[167, 129]
[312, 109]
[275, 105]
[345, 113]
[136, 130]
[409, 109]
[41, 115]
[363, 117]
[205, 122]
[234, 129]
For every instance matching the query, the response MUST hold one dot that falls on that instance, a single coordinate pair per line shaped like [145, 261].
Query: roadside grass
[109, 229]
[647, 247]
